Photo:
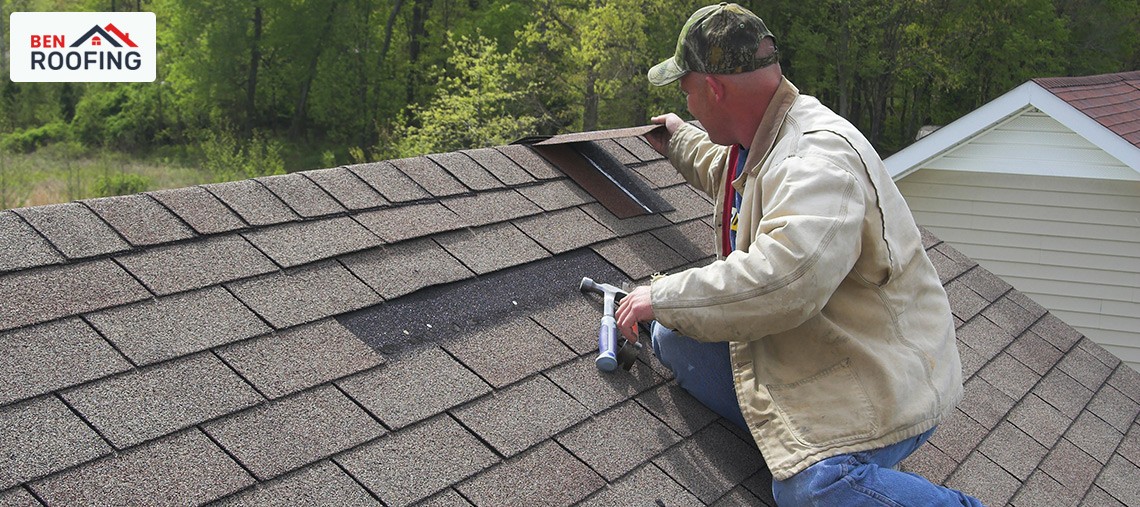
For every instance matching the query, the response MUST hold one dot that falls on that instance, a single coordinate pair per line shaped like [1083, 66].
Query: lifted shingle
[640, 148]
[21, 247]
[347, 188]
[41, 436]
[45, 294]
[406, 267]
[394, 185]
[306, 294]
[295, 244]
[197, 264]
[302, 195]
[492, 248]
[565, 230]
[430, 176]
[323, 483]
[74, 230]
[140, 219]
[660, 173]
[145, 404]
[199, 208]
[253, 202]
[548, 475]
[471, 174]
[514, 419]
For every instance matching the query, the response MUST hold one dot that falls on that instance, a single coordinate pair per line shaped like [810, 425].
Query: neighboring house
[1042, 187]
[411, 332]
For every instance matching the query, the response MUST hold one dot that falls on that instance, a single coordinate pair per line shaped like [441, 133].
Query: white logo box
[82, 47]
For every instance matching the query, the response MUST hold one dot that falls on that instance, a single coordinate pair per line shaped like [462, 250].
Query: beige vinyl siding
[1071, 244]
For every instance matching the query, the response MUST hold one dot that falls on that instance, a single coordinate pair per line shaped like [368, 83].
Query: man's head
[717, 39]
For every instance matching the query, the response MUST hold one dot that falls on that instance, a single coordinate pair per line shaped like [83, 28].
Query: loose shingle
[320, 484]
[1041, 489]
[302, 195]
[492, 248]
[286, 434]
[1127, 381]
[660, 173]
[530, 161]
[145, 404]
[470, 173]
[394, 185]
[385, 391]
[682, 412]
[74, 230]
[406, 267]
[558, 194]
[253, 202]
[617, 441]
[295, 244]
[564, 230]
[305, 294]
[984, 283]
[42, 436]
[600, 390]
[486, 351]
[199, 208]
[407, 222]
[514, 419]
[449, 498]
[983, 479]
[156, 330]
[640, 148]
[47, 357]
[491, 207]
[430, 176]
[183, 469]
[21, 247]
[300, 358]
[548, 475]
[639, 256]
[616, 151]
[187, 266]
[415, 463]
[647, 485]
[140, 219]
[505, 169]
[711, 463]
[947, 268]
[347, 188]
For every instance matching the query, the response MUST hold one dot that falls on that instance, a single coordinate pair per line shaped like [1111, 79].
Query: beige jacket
[840, 331]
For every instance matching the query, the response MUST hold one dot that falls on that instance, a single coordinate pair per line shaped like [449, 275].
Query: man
[822, 329]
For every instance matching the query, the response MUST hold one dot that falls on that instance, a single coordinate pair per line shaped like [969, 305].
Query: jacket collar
[770, 125]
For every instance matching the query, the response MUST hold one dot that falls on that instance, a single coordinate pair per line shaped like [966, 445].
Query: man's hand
[634, 308]
[658, 139]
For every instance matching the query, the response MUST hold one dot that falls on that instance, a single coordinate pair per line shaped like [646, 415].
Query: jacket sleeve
[806, 244]
[699, 160]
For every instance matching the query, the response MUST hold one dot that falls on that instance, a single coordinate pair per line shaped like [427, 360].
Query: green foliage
[120, 184]
[228, 158]
[29, 140]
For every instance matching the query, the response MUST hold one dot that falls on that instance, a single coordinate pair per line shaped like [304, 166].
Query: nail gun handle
[607, 345]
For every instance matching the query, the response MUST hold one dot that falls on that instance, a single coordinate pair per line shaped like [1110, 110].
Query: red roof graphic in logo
[104, 33]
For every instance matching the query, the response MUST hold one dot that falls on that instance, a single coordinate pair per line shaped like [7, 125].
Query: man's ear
[715, 86]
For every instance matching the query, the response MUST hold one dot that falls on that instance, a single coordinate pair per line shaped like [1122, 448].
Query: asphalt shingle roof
[409, 332]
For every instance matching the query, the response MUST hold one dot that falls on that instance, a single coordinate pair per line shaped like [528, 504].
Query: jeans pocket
[827, 408]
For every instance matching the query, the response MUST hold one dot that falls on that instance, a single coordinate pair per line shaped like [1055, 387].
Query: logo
[82, 46]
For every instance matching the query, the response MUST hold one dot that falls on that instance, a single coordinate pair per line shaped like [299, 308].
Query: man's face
[701, 104]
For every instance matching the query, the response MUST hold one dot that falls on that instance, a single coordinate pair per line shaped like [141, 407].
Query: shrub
[31, 139]
[120, 184]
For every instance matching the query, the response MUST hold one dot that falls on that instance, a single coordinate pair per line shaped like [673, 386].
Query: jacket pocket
[827, 408]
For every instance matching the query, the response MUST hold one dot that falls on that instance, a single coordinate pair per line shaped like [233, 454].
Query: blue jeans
[860, 478]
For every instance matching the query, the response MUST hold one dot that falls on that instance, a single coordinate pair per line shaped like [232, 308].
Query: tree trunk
[590, 111]
[299, 114]
[251, 80]
[417, 33]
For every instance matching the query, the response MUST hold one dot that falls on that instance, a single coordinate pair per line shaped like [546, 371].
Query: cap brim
[665, 72]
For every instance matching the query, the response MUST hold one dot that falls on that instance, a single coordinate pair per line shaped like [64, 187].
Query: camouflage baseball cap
[717, 39]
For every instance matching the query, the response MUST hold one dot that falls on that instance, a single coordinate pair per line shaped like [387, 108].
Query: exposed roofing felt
[410, 331]
[1110, 99]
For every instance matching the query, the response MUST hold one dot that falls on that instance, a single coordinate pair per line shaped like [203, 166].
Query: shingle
[430, 176]
[491, 207]
[199, 208]
[1070, 466]
[252, 202]
[18, 497]
[1121, 479]
[984, 283]
[406, 222]
[548, 475]
[929, 240]
[1009, 316]
[299, 358]
[385, 391]
[1084, 368]
[74, 230]
[21, 246]
[1100, 353]
[639, 148]
[693, 240]
[1127, 381]
[186, 266]
[320, 484]
[183, 469]
[347, 188]
[682, 412]
[964, 302]
[1041, 489]
[760, 484]
[1033, 308]
[642, 437]
[302, 195]
[492, 248]
[972, 360]
[514, 419]
[616, 151]
[984, 336]
[957, 435]
[414, 463]
[647, 485]
[599, 390]
[401, 269]
[1130, 446]
[738, 497]
[1097, 497]
[1013, 450]
[687, 204]
[145, 404]
[1061, 391]
[42, 436]
[47, 357]
[624, 227]
[574, 320]
[955, 255]
[484, 351]
[947, 268]
[394, 185]
[291, 432]
[50, 293]
[660, 173]
[505, 169]
[929, 462]
[173, 326]
[639, 256]
[983, 479]
[1039, 420]
[295, 244]
[140, 219]
[1010, 376]
[1094, 436]
[564, 230]
[711, 463]
[1058, 333]
[305, 294]
[466, 170]
[1034, 352]
[449, 498]
[557, 194]
[530, 161]
[985, 403]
